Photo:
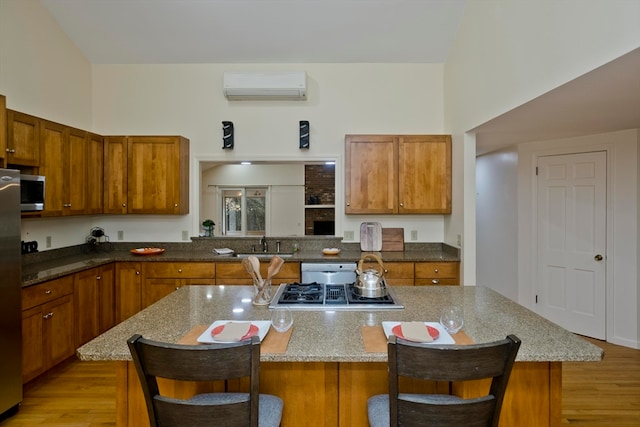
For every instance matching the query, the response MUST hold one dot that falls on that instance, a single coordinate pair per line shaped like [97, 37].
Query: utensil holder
[263, 291]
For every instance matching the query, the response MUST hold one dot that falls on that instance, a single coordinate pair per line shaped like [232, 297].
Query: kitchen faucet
[263, 242]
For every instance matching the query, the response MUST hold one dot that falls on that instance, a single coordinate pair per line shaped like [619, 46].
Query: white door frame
[527, 276]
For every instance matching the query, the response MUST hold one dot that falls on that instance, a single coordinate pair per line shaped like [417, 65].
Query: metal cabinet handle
[401, 205]
[175, 205]
[348, 204]
[137, 273]
[49, 315]
[98, 277]
[435, 281]
[124, 205]
[47, 292]
[598, 257]
[179, 270]
[435, 270]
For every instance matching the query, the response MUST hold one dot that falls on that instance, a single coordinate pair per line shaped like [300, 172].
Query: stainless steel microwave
[31, 192]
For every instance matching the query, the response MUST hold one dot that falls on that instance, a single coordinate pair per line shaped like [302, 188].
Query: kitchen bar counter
[325, 376]
[335, 336]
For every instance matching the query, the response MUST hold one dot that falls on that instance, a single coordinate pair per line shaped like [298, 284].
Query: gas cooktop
[319, 296]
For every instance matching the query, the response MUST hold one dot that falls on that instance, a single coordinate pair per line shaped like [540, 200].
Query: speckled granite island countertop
[320, 336]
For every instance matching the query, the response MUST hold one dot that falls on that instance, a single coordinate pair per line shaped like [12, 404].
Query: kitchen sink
[262, 255]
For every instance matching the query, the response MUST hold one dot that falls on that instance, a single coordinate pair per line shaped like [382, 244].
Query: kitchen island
[326, 375]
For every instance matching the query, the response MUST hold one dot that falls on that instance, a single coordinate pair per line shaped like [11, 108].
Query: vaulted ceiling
[338, 31]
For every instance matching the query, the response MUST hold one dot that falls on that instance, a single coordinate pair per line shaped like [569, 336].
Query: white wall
[507, 53]
[41, 72]
[497, 214]
[622, 225]
[342, 99]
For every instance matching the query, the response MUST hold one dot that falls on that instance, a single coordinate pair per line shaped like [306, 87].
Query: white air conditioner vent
[251, 85]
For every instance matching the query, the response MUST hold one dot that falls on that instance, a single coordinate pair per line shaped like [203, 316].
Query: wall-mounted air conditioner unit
[251, 85]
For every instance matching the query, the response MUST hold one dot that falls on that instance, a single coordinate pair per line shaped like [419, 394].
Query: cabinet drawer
[235, 270]
[437, 281]
[45, 292]
[436, 270]
[394, 270]
[179, 269]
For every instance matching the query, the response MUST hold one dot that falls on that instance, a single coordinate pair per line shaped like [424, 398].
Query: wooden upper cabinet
[66, 164]
[398, 174]
[146, 175]
[371, 174]
[115, 175]
[53, 141]
[95, 174]
[424, 179]
[23, 134]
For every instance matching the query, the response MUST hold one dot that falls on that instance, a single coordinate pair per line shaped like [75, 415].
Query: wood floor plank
[82, 394]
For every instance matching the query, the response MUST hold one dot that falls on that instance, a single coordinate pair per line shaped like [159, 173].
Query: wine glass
[452, 319]
[281, 319]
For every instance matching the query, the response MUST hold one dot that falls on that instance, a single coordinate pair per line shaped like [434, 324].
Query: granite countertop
[335, 336]
[73, 261]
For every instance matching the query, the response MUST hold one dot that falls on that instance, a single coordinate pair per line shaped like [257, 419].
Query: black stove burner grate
[333, 294]
[299, 293]
[354, 298]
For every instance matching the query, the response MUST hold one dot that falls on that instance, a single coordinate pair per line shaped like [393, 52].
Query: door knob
[598, 257]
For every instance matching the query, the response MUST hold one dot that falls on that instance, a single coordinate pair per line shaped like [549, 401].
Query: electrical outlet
[185, 234]
[120, 235]
[48, 241]
[414, 235]
[459, 240]
[348, 235]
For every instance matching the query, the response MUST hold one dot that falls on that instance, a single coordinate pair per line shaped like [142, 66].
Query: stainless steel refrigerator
[10, 293]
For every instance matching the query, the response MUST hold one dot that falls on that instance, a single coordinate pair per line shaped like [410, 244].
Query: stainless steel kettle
[370, 282]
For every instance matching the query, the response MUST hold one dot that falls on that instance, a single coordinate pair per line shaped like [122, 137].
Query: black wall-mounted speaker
[227, 135]
[304, 134]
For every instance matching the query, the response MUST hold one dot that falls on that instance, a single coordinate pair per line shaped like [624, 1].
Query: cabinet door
[75, 171]
[115, 175]
[33, 360]
[86, 299]
[156, 289]
[106, 298]
[371, 174]
[128, 290]
[23, 135]
[59, 330]
[53, 138]
[95, 174]
[157, 175]
[424, 180]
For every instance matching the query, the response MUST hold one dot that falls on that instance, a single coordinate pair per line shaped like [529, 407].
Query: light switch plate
[348, 235]
[185, 235]
[414, 235]
[120, 235]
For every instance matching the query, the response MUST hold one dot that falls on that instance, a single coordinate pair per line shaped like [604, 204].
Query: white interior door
[572, 241]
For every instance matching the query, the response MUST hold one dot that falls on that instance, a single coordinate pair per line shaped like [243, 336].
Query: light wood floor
[82, 394]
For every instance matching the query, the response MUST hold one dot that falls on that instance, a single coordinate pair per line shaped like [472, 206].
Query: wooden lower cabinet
[233, 273]
[94, 296]
[159, 279]
[47, 326]
[330, 394]
[396, 273]
[128, 286]
[437, 273]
